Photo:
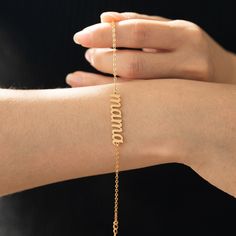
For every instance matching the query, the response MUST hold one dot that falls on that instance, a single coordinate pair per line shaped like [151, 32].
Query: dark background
[37, 51]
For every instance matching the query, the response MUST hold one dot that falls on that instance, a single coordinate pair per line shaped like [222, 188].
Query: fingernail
[69, 78]
[111, 14]
[82, 36]
[150, 50]
[88, 55]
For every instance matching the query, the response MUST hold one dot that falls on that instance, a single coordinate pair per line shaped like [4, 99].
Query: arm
[48, 136]
[53, 135]
[174, 49]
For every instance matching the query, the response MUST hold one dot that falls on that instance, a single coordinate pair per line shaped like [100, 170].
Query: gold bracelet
[116, 124]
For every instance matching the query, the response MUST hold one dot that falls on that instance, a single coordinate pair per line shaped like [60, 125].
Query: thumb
[116, 16]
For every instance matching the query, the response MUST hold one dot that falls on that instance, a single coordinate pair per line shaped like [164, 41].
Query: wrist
[212, 150]
[152, 120]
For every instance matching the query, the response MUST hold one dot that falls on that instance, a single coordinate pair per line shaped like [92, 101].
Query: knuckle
[195, 33]
[197, 66]
[139, 33]
[134, 67]
[185, 25]
[189, 30]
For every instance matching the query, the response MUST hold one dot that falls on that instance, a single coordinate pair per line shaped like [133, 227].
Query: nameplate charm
[116, 119]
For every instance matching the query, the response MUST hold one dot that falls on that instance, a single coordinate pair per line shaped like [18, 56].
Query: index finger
[131, 33]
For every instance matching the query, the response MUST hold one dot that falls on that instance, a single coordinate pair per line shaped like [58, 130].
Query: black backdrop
[37, 51]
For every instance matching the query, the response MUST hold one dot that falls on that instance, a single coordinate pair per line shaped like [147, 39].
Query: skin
[169, 49]
[164, 48]
[165, 120]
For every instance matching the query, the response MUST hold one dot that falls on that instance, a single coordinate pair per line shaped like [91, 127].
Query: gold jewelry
[116, 124]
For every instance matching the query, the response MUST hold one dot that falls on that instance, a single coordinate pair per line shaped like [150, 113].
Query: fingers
[116, 16]
[134, 63]
[133, 33]
[81, 79]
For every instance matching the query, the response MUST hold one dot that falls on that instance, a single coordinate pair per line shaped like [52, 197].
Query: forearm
[53, 135]
[48, 136]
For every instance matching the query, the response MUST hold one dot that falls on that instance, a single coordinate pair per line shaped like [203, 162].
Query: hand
[203, 141]
[169, 48]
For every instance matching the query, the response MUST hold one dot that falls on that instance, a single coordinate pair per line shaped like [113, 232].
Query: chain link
[115, 222]
[117, 153]
[114, 54]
